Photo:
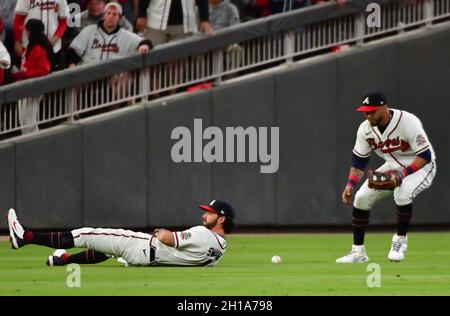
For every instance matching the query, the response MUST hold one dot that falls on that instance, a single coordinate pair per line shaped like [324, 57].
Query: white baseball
[276, 259]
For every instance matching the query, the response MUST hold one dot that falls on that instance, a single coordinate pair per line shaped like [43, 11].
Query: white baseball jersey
[197, 246]
[403, 139]
[48, 11]
[93, 44]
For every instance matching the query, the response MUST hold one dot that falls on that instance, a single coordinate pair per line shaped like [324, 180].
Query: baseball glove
[383, 180]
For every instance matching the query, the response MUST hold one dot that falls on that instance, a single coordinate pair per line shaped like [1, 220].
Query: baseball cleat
[16, 230]
[356, 255]
[398, 248]
[57, 258]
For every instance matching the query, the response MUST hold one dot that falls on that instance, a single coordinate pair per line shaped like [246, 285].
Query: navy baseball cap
[220, 208]
[372, 101]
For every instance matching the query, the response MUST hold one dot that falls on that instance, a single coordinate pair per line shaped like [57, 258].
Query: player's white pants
[132, 246]
[28, 114]
[411, 186]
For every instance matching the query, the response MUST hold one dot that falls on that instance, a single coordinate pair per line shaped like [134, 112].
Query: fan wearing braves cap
[399, 138]
[202, 245]
[106, 40]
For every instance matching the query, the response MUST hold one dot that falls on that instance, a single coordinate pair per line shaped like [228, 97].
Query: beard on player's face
[210, 220]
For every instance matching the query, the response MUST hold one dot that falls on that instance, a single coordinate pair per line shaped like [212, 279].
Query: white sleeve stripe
[176, 239]
[361, 155]
[422, 150]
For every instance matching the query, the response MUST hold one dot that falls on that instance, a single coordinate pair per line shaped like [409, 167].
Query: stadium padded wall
[174, 190]
[49, 178]
[114, 164]
[116, 170]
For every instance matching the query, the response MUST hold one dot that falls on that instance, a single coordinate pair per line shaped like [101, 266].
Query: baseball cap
[219, 207]
[372, 101]
[113, 4]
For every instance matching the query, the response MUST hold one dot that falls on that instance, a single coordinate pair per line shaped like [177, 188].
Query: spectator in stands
[222, 13]
[162, 23]
[94, 14]
[106, 40]
[5, 61]
[37, 60]
[52, 13]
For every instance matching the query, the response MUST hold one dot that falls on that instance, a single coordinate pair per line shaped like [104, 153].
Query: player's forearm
[166, 237]
[354, 176]
[356, 172]
[417, 164]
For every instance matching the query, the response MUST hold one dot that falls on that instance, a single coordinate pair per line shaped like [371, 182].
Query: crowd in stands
[38, 37]
[93, 33]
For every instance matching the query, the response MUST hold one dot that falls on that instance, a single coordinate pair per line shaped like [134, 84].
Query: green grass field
[308, 268]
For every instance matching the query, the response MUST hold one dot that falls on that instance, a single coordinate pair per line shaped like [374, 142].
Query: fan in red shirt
[37, 59]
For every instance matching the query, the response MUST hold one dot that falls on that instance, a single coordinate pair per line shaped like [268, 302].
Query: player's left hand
[398, 174]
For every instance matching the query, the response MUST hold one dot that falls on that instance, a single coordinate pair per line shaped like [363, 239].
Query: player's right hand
[347, 195]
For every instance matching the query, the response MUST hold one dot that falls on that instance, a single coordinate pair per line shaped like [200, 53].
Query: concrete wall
[116, 170]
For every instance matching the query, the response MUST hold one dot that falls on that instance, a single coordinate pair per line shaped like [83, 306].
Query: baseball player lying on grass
[197, 246]
[399, 138]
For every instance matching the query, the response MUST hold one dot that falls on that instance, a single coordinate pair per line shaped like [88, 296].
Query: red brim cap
[367, 108]
[208, 208]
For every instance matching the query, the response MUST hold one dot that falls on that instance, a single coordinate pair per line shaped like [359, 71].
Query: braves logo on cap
[372, 101]
[219, 210]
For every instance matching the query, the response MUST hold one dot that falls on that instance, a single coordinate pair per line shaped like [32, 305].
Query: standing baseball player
[399, 138]
[197, 246]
